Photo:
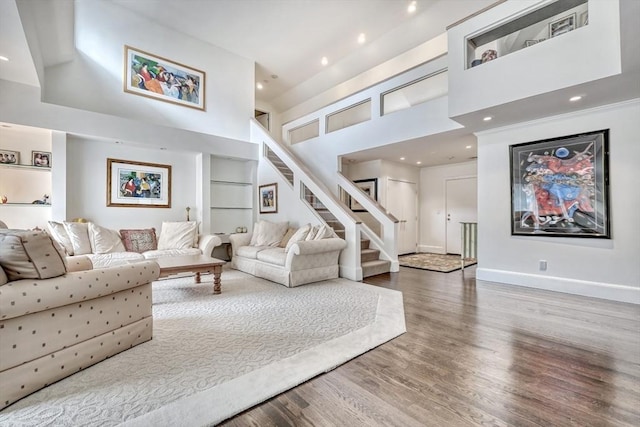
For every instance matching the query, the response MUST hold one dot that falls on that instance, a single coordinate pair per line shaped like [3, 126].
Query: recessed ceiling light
[3, 58]
[274, 76]
[468, 146]
[362, 38]
[412, 7]
[324, 60]
[418, 163]
[575, 98]
[488, 118]
[401, 158]
[163, 148]
[259, 86]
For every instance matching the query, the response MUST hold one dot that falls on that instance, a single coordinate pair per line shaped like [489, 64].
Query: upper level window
[304, 132]
[553, 20]
[415, 92]
[354, 114]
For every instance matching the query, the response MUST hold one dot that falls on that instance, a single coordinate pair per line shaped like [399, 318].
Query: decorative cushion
[254, 236]
[270, 233]
[79, 235]
[26, 254]
[312, 232]
[139, 240]
[178, 235]
[3, 277]
[104, 240]
[298, 236]
[285, 239]
[60, 235]
[324, 232]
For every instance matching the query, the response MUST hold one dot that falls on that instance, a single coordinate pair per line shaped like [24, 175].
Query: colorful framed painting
[138, 184]
[268, 195]
[41, 159]
[9, 157]
[560, 186]
[159, 78]
[369, 187]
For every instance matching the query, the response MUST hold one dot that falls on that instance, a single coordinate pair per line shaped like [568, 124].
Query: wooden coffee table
[193, 264]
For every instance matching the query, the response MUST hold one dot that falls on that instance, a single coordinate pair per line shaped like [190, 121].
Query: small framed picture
[562, 25]
[41, 159]
[369, 187]
[9, 157]
[268, 195]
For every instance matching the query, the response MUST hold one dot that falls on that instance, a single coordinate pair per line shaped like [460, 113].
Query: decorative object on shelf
[188, 209]
[4, 199]
[159, 78]
[560, 186]
[9, 157]
[476, 62]
[244, 229]
[138, 184]
[238, 229]
[369, 187]
[41, 159]
[268, 195]
[44, 201]
[562, 25]
[489, 55]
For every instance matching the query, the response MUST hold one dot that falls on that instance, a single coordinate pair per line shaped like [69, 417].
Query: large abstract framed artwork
[138, 184]
[160, 78]
[369, 187]
[560, 186]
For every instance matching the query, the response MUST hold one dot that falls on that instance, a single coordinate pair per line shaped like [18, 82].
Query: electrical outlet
[543, 265]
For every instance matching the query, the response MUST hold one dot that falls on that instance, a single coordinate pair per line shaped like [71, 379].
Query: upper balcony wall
[585, 54]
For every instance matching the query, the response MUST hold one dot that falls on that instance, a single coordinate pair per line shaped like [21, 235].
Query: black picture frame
[369, 187]
[560, 186]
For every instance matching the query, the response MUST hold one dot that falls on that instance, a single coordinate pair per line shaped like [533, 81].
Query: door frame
[417, 212]
[446, 223]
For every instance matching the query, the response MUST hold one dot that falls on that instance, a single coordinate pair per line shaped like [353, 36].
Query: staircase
[370, 261]
[278, 164]
[323, 212]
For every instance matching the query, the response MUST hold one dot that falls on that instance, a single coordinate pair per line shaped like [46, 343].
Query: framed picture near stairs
[268, 198]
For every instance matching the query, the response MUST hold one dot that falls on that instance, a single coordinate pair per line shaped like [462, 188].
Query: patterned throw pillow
[139, 240]
[26, 254]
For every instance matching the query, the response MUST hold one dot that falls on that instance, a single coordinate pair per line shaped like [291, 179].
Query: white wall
[433, 221]
[94, 80]
[593, 267]
[87, 183]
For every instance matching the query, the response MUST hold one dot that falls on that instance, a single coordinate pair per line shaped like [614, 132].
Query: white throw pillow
[60, 235]
[324, 232]
[298, 236]
[104, 240]
[312, 232]
[79, 235]
[178, 235]
[270, 233]
[254, 235]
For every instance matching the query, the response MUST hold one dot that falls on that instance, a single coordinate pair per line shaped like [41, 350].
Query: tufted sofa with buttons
[54, 327]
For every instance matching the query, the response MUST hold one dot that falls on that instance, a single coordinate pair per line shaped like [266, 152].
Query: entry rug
[213, 356]
[435, 262]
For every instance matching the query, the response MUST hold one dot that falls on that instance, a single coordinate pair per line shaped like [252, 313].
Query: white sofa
[291, 258]
[108, 248]
[57, 319]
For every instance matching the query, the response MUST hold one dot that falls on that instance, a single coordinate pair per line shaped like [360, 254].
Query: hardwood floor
[485, 354]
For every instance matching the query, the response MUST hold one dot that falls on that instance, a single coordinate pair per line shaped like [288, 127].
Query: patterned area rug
[213, 356]
[434, 262]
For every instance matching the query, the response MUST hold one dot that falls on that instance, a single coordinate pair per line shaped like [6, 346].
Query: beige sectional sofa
[55, 321]
[291, 257]
[108, 248]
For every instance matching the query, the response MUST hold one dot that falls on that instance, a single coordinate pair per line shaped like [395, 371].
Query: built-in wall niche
[527, 29]
[232, 194]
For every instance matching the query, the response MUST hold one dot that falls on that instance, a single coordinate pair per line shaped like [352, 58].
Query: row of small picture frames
[38, 158]
[562, 26]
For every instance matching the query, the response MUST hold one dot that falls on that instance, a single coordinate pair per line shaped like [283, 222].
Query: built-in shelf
[25, 167]
[232, 194]
[216, 181]
[37, 205]
[228, 207]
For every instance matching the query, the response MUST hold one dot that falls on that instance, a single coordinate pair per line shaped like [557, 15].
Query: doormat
[435, 262]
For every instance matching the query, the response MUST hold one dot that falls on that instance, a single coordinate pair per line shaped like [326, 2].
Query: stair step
[369, 255]
[364, 244]
[373, 268]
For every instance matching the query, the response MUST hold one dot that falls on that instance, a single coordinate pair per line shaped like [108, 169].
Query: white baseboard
[586, 288]
[431, 249]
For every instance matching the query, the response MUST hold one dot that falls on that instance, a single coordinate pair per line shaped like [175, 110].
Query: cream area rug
[213, 356]
[434, 262]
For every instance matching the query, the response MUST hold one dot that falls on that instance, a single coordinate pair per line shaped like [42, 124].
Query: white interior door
[462, 206]
[402, 202]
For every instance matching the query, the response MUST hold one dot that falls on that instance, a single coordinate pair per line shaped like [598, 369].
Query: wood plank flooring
[479, 354]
